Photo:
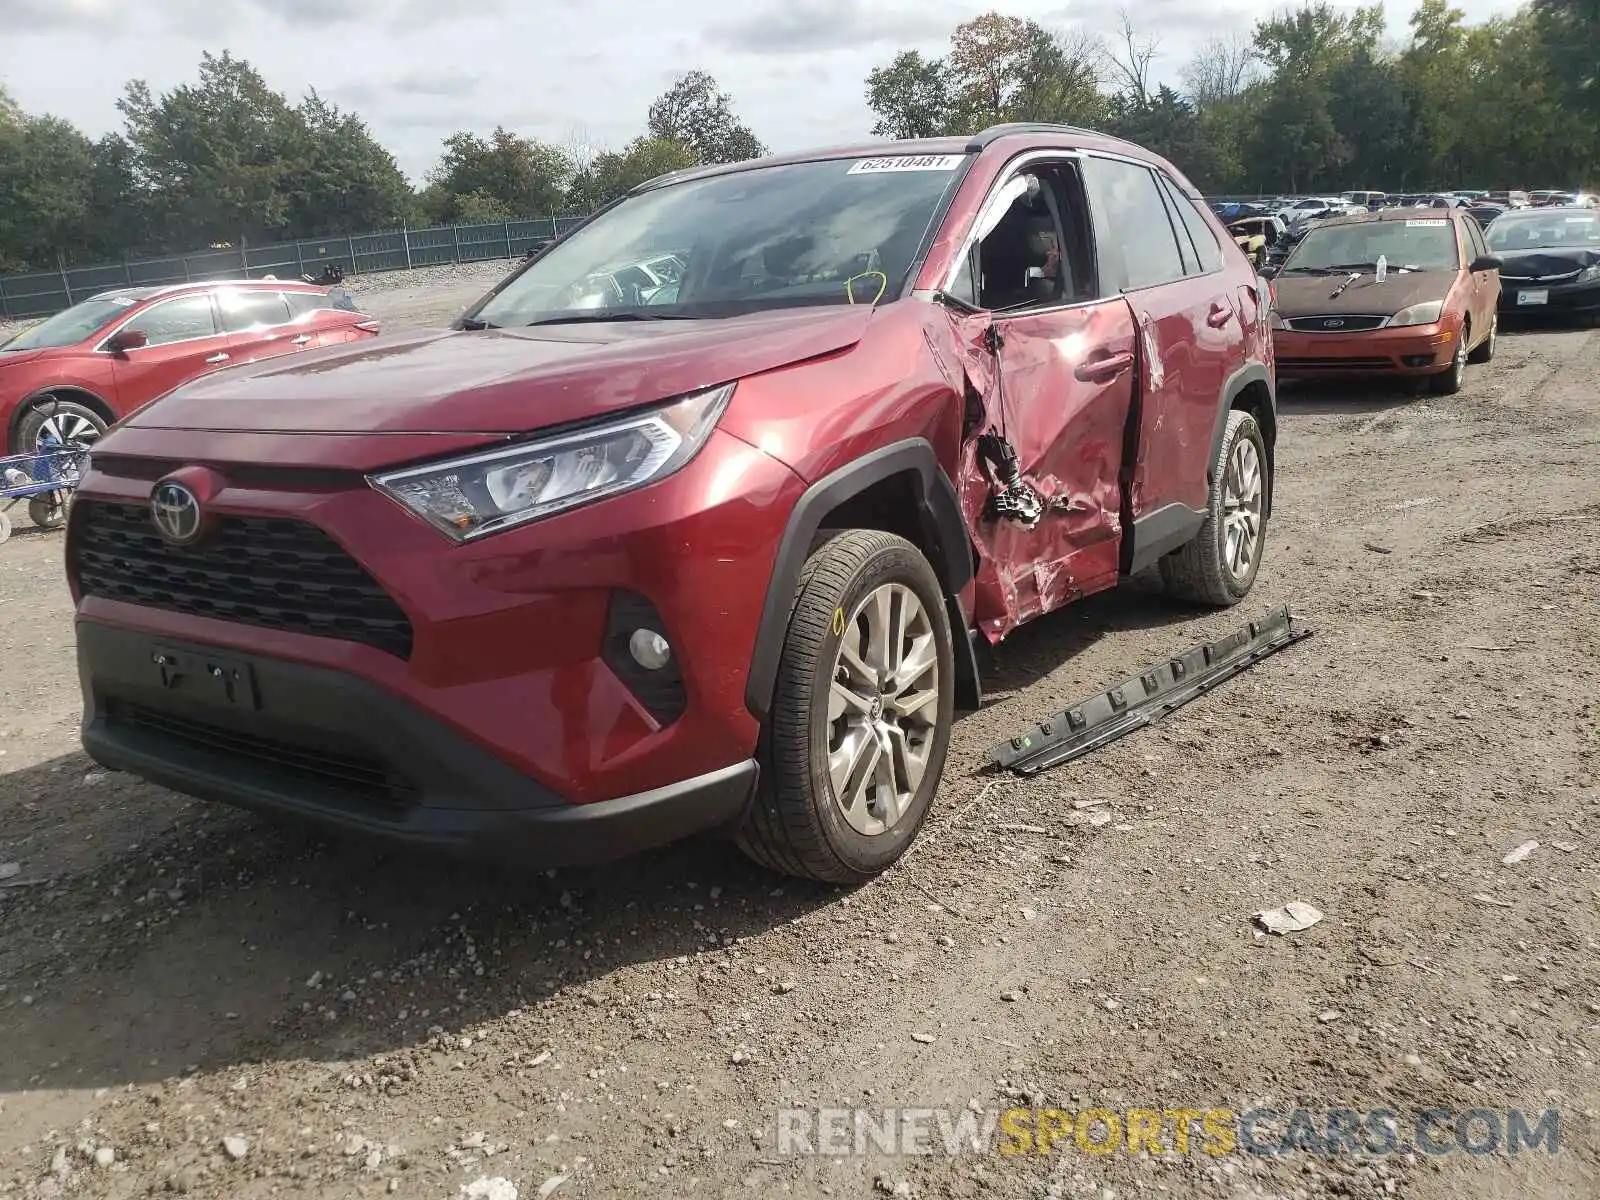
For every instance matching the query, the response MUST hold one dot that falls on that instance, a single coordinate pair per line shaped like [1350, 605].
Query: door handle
[302, 340]
[1107, 366]
[219, 357]
[1219, 315]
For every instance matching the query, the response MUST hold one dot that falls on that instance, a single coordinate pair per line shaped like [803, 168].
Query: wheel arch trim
[938, 512]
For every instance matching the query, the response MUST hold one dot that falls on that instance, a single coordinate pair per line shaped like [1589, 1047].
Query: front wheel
[1219, 565]
[48, 511]
[58, 424]
[1449, 381]
[861, 714]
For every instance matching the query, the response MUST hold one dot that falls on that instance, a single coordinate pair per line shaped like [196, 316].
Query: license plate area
[1534, 296]
[218, 679]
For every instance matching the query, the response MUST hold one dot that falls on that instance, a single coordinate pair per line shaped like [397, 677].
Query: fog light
[649, 649]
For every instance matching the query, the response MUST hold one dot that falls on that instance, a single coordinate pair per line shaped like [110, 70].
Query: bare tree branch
[1129, 60]
[1221, 69]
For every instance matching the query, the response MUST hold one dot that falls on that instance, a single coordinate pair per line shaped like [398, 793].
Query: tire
[72, 423]
[5, 527]
[1207, 570]
[48, 511]
[1484, 351]
[796, 824]
[1448, 382]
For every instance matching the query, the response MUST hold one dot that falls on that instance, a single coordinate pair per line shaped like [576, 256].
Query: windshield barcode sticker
[1434, 221]
[905, 162]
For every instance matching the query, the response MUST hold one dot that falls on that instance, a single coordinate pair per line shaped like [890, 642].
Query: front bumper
[1404, 350]
[511, 665]
[325, 746]
[1558, 300]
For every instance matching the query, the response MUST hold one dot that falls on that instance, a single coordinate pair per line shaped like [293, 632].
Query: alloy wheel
[882, 705]
[66, 430]
[1241, 508]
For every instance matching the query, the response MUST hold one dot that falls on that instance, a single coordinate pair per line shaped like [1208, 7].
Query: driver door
[185, 341]
[1050, 358]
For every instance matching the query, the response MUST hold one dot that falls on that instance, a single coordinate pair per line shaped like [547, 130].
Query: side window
[302, 303]
[1136, 237]
[1201, 238]
[1040, 252]
[1186, 251]
[178, 320]
[253, 310]
[1478, 247]
[962, 287]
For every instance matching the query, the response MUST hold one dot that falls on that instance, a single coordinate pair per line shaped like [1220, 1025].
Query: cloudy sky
[563, 70]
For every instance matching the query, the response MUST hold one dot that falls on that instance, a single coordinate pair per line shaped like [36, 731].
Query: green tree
[523, 176]
[911, 97]
[695, 114]
[44, 190]
[1169, 125]
[214, 156]
[1006, 68]
[614, 174]
[338, 178]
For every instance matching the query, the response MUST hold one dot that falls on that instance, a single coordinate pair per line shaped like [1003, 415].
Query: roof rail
[1008, 128]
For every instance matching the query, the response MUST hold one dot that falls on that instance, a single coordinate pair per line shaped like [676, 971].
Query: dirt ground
[194, 1002]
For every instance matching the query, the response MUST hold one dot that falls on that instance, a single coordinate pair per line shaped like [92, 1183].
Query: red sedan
[71, 376]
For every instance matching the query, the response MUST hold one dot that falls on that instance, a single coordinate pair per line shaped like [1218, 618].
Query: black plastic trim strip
[1145, 698]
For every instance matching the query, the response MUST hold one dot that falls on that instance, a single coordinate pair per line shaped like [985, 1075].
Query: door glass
[177, 320]
[301, 303]
[253, 310]
[1135, 232]
[1038, 252]
[1204, 241]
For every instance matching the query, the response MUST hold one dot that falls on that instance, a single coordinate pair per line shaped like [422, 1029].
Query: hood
[499, 380]
[1534, 264]
[10, 358]
[1312, 295]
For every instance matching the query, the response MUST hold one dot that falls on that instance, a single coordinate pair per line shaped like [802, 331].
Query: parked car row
[1419, 292]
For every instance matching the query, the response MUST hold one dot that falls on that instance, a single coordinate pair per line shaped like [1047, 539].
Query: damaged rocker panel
[1145, 698]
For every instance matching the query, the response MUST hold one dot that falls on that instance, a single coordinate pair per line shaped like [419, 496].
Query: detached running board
[1144, 699]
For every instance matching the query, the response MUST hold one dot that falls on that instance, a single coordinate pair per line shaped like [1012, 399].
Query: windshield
[1423, 244]
[840, 231]
[1545, 231]
[72, 326]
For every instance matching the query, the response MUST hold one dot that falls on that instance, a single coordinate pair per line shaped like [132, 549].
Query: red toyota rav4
[629, 555]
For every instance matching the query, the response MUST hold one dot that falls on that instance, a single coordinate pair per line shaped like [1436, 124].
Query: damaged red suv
[628, 555]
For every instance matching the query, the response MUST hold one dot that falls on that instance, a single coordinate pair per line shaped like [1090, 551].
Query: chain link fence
[42, 293]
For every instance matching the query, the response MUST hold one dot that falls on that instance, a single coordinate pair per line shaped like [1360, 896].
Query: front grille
[1319, 324]
[1337, 364]
[270, 572]
[1566, 278]
[360, 778]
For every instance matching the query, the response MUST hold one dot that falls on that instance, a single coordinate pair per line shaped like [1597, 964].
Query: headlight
[492, 490]
[1590, 274]
[1426, 313]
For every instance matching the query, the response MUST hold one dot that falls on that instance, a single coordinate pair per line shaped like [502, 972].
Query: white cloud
[417, 70]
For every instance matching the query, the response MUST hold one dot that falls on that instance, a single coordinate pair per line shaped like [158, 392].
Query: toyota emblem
[1333, 324]
[175, 511]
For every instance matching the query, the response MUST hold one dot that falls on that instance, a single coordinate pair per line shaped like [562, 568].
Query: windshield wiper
[476, 323]
[601, 317]
[1311, 270]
